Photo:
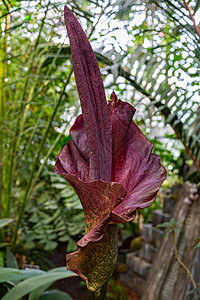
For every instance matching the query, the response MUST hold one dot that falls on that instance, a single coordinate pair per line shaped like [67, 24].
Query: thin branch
[5, 5]
[100, 15]
[192, 19]
[180, 262]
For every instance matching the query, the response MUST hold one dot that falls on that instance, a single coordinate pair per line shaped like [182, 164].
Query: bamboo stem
[1, 123]
[12, 152]
[180, 262]
[3, 75]
[30, 183]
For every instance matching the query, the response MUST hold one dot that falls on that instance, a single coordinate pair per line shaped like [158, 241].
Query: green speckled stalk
[100, 294]
[103, 258]
[97, 260]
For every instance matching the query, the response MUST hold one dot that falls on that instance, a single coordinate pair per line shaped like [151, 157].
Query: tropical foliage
[33, 282]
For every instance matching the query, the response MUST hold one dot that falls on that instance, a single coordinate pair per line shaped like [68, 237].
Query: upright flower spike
[93, 100]
[108, 162]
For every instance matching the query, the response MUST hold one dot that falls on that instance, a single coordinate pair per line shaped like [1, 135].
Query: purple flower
[108, 162]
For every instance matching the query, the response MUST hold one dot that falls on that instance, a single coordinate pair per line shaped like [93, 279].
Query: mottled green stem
[100, 294]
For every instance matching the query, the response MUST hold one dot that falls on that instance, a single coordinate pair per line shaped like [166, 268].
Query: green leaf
[64, 238]
[51, 245]
[38, 292]
[30, 284]
[171, 224]
[167, 232]
[2, 245]
[166, 224]
[11, 260]
[59, 269]
[71, 246]
[54, 294]
[197, 6]
[11, 274]
[197, 243]
[5, 222]
[195, 292]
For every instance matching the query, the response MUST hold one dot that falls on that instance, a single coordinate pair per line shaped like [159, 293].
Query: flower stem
[100, 294]
[180, 262]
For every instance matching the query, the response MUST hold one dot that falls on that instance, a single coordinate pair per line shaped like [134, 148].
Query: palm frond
[152, 72]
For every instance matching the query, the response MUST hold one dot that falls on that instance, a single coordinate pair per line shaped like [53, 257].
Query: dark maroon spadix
[109, 163]
[93, 100]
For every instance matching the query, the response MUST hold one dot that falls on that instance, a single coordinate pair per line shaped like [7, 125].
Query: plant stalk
[100, 294]
[1, 123]
[18, 126]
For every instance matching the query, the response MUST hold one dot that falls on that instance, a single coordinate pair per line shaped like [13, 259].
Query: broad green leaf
[11, 260]
[5, 222]
[53, 295]
[2, 245]
[11, 274]
[38, 292]
[59, 269]
[64, 238]
[30, 284]
[71, 246]
[51, 245]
